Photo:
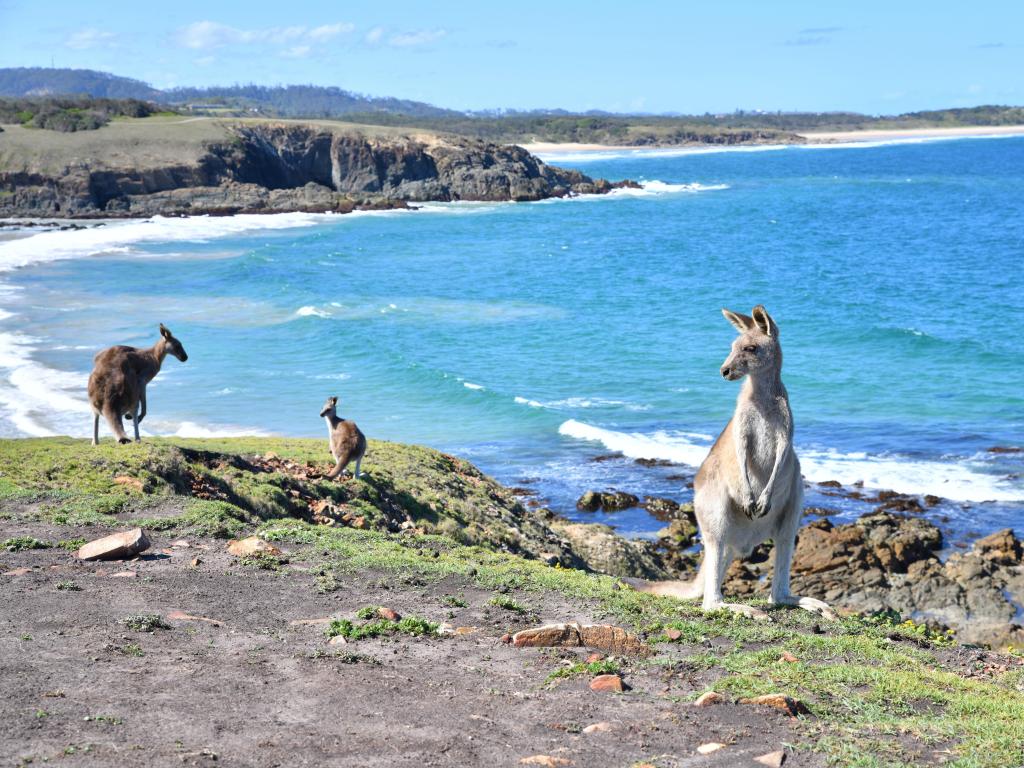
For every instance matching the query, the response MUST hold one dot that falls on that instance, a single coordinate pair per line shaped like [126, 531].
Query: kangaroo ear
[334, 400]
[165, 331]
[741, 323]
[764, 321]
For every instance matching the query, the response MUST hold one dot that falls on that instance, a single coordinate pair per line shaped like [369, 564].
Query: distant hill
[275, 101]
[42, 81]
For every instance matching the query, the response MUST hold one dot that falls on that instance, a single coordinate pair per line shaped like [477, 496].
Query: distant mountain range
[503, 126]
[281, 101]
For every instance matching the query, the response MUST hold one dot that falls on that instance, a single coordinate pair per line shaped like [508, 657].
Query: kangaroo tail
[684, 590]
[116, 425]
[338, 468]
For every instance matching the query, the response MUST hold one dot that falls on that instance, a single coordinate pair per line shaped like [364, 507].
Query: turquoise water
[532, 337]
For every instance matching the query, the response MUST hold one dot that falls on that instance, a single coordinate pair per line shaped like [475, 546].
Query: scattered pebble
[709, 747]
[599, 728]
[772, 759]
[548, 761]
[117, 546]
[250, 546]
[708, 698]
[788, 657]
[780, 701]
[612, 683]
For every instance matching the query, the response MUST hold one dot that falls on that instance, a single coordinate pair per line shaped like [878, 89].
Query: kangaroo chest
[763, 432]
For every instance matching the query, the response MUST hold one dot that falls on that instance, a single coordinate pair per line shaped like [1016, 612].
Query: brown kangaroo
[749, 487]
[347, 442]
[117, 384]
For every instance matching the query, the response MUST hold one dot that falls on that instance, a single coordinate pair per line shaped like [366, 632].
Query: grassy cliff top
[425, 528]
[150, 142]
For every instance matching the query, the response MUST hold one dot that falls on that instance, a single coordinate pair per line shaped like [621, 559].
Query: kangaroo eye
[750, 349]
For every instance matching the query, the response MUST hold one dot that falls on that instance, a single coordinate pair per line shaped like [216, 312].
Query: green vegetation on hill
[69, 114]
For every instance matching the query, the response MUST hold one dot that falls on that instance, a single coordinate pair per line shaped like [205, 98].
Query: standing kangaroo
[117, 384]
[347, 442]
[749, 488]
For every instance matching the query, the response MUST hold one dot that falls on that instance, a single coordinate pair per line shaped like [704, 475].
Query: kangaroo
[347, 442]
[749, 487]
[117, 384]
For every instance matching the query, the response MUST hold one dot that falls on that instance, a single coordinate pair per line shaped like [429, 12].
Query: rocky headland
[145, 167]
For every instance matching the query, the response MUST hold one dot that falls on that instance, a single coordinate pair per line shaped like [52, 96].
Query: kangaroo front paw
[810, 604]
[747, 610]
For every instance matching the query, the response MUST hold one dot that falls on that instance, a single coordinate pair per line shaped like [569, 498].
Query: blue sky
[679, 56]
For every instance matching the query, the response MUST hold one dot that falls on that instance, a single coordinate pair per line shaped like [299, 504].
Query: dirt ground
[248, 676]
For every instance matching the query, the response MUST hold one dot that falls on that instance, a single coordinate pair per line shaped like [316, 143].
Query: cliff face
[289, 167]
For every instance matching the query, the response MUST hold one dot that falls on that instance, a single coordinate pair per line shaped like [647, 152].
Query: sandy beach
[823, 137]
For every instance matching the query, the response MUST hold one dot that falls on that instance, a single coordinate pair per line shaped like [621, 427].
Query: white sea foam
[671, 446]
[959, 480]
[656, 187]
[582, 402]
[471, 385]
[311, 311]
[120, 237]
[191, 429]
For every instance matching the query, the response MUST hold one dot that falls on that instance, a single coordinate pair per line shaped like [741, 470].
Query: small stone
[181, 544]
[182, 616]
[18, 572]
[772, 759]
[195, 562]
[709, 747]
[548, 761]
[506, 638]
[780, 701]
[117, 546]
[610, 683]
[124, 575]
[389, 614]
[598, 728]
[359, 522]
[788, 657]
[708, 698]
[594, 658]
[465, 630]
[337, 640]
[250, 546]
[673, 634]
[550, 635]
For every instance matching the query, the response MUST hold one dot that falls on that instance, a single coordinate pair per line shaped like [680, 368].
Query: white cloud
[419, 37]
[327, 31]
[296, 52]
[374, 35]
[203, 35]
[90, 38]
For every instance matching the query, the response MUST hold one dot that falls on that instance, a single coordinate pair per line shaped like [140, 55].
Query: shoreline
[812, 137]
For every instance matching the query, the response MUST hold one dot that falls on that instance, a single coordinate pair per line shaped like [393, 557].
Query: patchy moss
[21, 543]
[410, 625]
[145, 622]
[592, 669]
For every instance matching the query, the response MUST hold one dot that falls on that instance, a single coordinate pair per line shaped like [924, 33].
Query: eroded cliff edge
[260, 167]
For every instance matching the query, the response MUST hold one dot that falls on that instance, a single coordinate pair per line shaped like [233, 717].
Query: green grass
[145, 622]
[508, 603]
[592, 669]
[22, 543]
[409, 625]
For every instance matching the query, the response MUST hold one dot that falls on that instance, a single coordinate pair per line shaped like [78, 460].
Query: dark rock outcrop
[269, 168]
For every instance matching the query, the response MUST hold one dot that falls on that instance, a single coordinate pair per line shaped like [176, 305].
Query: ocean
[532, 338]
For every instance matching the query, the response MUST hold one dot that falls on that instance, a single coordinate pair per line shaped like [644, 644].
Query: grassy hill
[100, 656]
